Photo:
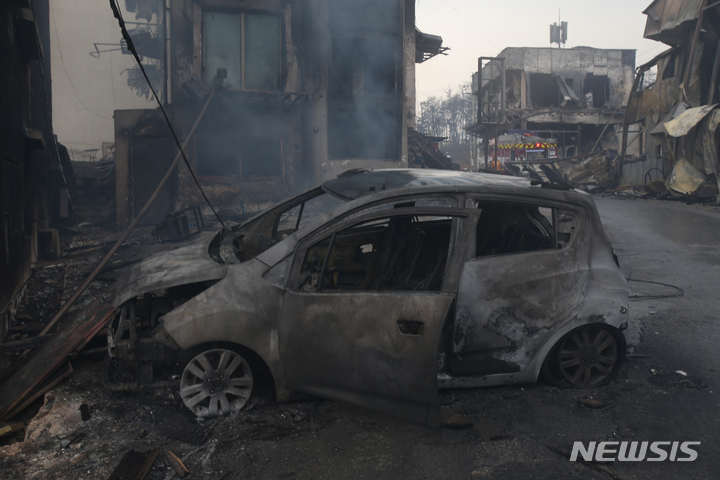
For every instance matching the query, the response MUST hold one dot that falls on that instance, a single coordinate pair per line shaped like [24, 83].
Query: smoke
[366, 79]
[254, 132]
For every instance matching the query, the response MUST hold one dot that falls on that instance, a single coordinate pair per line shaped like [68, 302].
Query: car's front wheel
[215, 383]
[589, 356]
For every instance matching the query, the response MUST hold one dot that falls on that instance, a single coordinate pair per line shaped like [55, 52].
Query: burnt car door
[364, 307]
[528, 275]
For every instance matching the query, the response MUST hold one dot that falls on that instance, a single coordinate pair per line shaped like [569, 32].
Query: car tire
[586, 357]
[216, 383]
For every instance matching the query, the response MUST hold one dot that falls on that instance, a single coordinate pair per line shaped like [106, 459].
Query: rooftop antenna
[558, 32]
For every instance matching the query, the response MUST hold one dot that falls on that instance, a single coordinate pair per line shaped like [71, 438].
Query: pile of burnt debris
[60, 324]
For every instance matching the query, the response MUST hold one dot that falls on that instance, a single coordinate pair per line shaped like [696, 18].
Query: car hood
[185, 265]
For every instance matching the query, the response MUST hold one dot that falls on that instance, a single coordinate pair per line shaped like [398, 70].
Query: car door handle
[411, 327]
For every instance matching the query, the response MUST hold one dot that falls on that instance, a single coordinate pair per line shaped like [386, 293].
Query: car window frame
[472, 200]
[461, 220]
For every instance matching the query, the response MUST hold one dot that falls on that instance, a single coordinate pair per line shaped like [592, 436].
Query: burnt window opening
[363, 132]
[648, 78]
[261, 158]
[223, 155]
[513, 88]
[248, 45]
[596, 91]
[364, 115]
[363, 67]
[544, 90]
[217, 155]
[505, 228]
[400, 253]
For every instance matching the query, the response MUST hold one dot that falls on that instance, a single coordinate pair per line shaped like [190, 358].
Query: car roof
[359, 183]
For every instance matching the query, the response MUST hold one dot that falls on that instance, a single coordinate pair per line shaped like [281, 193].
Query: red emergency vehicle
[515, 147]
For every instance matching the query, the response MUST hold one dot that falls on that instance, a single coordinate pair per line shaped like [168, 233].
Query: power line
[62, 61]
[459, 14]
[463, 16]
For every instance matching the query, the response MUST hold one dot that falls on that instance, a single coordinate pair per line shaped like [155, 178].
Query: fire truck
[519, 147]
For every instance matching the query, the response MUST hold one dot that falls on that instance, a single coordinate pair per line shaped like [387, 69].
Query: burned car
[412, 280]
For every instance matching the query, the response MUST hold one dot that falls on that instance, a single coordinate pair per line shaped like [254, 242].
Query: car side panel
[510, 305]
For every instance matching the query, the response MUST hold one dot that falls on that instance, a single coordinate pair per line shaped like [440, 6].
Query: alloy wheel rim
[588, 357]
[215, 383]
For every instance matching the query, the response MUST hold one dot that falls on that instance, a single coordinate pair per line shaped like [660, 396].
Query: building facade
[304, 90]
[569, 95]
[673, 102]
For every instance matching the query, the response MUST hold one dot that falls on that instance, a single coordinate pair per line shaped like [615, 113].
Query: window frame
[278, 9]
[461, 219]
[582, 221]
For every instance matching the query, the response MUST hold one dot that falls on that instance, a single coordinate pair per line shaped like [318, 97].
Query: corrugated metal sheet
[668, 21]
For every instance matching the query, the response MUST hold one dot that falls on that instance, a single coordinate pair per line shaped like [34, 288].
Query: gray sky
[482, 28]
[86, 90]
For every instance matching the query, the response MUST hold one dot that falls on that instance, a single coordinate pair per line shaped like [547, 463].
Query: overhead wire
[459, 14]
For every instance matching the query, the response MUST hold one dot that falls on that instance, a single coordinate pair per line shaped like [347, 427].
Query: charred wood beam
[176, 463]
[58, 376]
[68, 258]
[134, 465]
[30, 342]
[52, 355]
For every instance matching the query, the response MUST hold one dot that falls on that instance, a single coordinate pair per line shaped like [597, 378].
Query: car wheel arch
[545, 368]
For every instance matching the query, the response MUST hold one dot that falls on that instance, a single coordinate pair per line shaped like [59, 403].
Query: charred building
[304, 90]
[570, 95]
[673, 103]
[28, 173]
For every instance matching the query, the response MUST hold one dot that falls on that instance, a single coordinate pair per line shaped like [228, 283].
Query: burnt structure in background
[553, 89]
[31, 189]
[305, 89]
[675, 115]
[571, 95]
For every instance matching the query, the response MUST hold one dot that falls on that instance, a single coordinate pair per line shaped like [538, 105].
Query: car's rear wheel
[216, 382]
[589, 356]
